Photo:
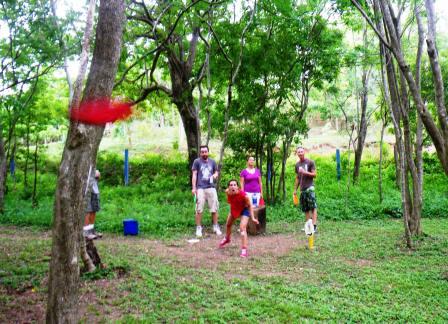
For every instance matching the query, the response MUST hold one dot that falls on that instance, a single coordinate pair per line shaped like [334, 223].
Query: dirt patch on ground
[360, 263]
[29, 306]
[265, 251]
[22, 306]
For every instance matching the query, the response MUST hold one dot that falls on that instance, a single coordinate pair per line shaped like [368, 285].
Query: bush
[159, 195]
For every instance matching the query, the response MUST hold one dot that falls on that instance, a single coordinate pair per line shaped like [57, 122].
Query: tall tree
[397, 98]
[363, 117]
[437, 127]
[292, 51]
[171, 33]
[79, 156]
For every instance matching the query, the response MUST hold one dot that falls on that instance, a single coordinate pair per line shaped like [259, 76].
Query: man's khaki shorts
[208, 195]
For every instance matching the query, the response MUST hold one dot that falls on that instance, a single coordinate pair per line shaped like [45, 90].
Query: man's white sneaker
[198, 231]
[217, 230]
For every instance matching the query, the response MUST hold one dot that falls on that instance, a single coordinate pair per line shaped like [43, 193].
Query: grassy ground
[358, 272]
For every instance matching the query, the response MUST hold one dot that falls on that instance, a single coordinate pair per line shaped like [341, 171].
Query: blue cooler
[130, 227]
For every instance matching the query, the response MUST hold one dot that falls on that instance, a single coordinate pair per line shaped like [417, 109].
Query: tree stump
[93, 253]
[260, 215]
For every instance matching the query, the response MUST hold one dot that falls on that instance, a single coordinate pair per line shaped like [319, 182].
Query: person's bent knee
[243, 232]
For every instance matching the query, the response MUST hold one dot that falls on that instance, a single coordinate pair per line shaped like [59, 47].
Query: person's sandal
[243, 253]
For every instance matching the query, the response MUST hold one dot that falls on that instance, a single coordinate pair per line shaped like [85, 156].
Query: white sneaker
[198, 231]
[217, 230]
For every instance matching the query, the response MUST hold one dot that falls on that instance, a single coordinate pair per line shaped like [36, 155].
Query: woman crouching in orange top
[240, 205]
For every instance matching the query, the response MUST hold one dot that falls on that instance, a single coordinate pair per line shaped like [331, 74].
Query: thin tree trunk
[380, 166]
[436, 72]
[12, 160]
[2, 171]
[235, 69]
[198, 110]
[84, 58]
[362, 126]
[64, 51]
[393, 101]
[362, 130]
[79, 154]
[34, 196]
[27, 141]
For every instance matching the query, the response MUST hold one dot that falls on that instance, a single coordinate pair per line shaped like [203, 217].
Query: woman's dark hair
[228, 184]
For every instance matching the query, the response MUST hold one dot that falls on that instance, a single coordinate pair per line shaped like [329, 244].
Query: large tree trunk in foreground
[79, 156]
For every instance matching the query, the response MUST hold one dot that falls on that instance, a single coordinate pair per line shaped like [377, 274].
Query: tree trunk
[79, 154]
[2, 171]
[12, 158]
[397, 167]
[281, 189]
[84, 58]
[418, 190]
[437, 75]
[190, 125]
[27, 141]
[394, 102]
[380, 166]
[182, 97]
[34, 196]
[362, 129]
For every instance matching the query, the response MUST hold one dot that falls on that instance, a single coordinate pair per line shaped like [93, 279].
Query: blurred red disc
[101, 111]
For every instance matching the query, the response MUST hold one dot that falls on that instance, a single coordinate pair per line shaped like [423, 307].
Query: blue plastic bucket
[130, 227]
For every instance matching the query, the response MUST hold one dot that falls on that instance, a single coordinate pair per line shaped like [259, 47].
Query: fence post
[126, 167]
[338, 164]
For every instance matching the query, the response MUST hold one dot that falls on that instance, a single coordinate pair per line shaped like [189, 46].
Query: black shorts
[93, 204]
[308, 200]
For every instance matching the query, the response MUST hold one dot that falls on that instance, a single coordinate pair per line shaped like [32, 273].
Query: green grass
[359, 272]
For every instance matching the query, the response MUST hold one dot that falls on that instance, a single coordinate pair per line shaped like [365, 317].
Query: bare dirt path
[27, 304]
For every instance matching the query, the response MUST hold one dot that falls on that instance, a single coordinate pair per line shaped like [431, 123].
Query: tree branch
[153, 88]
[372, 25]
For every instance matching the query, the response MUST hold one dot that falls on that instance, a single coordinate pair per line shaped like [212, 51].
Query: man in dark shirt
[205, 173]
[305, 174]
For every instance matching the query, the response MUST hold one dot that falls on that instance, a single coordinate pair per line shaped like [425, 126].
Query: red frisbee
[101, 111]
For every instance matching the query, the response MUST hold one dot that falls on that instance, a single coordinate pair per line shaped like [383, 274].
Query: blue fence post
[338, 164]
[269, 172]
[12, 167]
[126, 167]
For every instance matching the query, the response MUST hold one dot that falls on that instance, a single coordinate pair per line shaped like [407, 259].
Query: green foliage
[431, 164]
[159, 196]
